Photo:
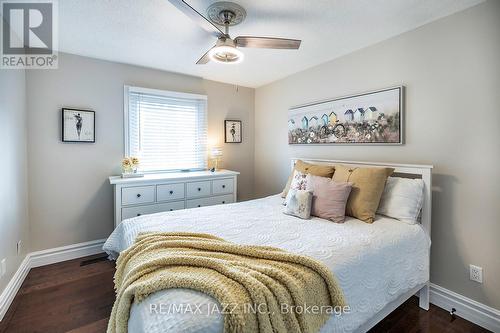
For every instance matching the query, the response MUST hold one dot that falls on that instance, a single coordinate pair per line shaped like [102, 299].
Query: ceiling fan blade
[197, 17]
[267, 42]
[204, 59]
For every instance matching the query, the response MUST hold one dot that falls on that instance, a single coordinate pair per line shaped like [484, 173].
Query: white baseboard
[42, 258]
[13, 286]
[63, 253]
[466, 308]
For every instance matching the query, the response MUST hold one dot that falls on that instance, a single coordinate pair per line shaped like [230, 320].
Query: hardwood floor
[76, 296]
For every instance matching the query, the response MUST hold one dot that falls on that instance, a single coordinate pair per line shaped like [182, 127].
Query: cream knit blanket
[260, 285]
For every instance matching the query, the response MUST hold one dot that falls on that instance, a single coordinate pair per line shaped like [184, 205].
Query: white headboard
[406, 170]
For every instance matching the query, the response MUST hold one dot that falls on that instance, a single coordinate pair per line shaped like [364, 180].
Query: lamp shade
[216, 152]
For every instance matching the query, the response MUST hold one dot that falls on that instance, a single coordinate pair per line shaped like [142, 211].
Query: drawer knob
[199, 205]
[138, 195]
[223, 186]
[138, 214]
[171, 192]
[223, 202]
[199, 189]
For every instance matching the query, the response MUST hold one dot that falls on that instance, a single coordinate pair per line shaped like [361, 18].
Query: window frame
[127, 89]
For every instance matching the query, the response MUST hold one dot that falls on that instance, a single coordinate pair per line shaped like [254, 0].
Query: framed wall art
[78, 125]
[232, 131]
[369, 118]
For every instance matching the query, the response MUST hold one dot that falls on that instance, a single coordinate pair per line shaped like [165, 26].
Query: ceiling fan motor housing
[225, 41]
[226, 13]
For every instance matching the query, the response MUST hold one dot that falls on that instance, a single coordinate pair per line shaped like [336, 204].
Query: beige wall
[70, 198]
[14, 224]
[232, 102]
[451, 69]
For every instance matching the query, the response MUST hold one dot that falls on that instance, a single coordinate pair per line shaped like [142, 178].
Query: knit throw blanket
[260, 285]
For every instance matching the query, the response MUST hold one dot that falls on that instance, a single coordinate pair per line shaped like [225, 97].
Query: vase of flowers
[126, 165]
[130, 166]
[134, 161]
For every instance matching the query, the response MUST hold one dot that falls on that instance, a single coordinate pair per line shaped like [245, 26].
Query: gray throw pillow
[299, 203]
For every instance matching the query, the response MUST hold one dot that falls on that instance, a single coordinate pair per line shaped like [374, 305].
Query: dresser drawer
[198, 189]
[130, 212]
[222, 186]
[222, 199]
[168, 192]
[203, 202]
[138, 195]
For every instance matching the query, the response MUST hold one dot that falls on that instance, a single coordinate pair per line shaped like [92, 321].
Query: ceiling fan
[226, 48]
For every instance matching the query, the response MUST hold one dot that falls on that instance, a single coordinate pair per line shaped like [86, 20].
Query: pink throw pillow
[329, 198]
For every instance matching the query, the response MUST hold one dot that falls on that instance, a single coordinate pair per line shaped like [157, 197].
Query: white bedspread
[374, 263]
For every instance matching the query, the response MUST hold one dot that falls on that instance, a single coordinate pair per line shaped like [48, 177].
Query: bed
[378, 266]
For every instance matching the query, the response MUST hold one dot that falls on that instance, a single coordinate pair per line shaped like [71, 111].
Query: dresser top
[168, 176]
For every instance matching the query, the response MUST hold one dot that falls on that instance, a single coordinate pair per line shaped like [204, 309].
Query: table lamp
[216, 153]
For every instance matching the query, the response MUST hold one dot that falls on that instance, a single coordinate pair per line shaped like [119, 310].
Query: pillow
[402, 199]
[299, 203]
[329, 198]
[299, 182]
[367, 187]
[313, 169]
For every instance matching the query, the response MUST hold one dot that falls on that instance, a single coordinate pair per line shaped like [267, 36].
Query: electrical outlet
[476, 273]
[19, 243]
[3, 267]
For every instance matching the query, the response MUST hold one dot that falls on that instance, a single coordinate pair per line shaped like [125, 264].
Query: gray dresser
[156, 193]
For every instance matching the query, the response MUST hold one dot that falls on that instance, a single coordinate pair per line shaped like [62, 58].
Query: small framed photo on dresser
[78, 125]
[232, 131]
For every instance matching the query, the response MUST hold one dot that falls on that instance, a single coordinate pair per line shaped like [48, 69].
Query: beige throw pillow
[367, 188]
[308, 168]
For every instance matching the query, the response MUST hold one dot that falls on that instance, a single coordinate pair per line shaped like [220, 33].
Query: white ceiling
[153, 33]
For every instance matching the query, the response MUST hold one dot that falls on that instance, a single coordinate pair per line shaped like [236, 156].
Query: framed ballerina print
[78, 125]
[232, 131]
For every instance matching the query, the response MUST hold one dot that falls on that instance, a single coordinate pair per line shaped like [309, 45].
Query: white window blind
[167, 131]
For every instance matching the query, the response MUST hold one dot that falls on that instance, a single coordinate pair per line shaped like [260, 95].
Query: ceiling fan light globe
[226, 54]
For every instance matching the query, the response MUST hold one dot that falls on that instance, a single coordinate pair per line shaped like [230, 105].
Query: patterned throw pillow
[299, 203]
[298, 182]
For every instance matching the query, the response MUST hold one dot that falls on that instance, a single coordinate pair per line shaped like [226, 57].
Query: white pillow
[402, 199]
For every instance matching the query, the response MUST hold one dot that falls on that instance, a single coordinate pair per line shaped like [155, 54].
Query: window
[166, 130]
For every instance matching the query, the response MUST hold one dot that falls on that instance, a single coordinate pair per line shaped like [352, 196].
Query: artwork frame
[378, 119]
[84, 120]
[229, 127]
